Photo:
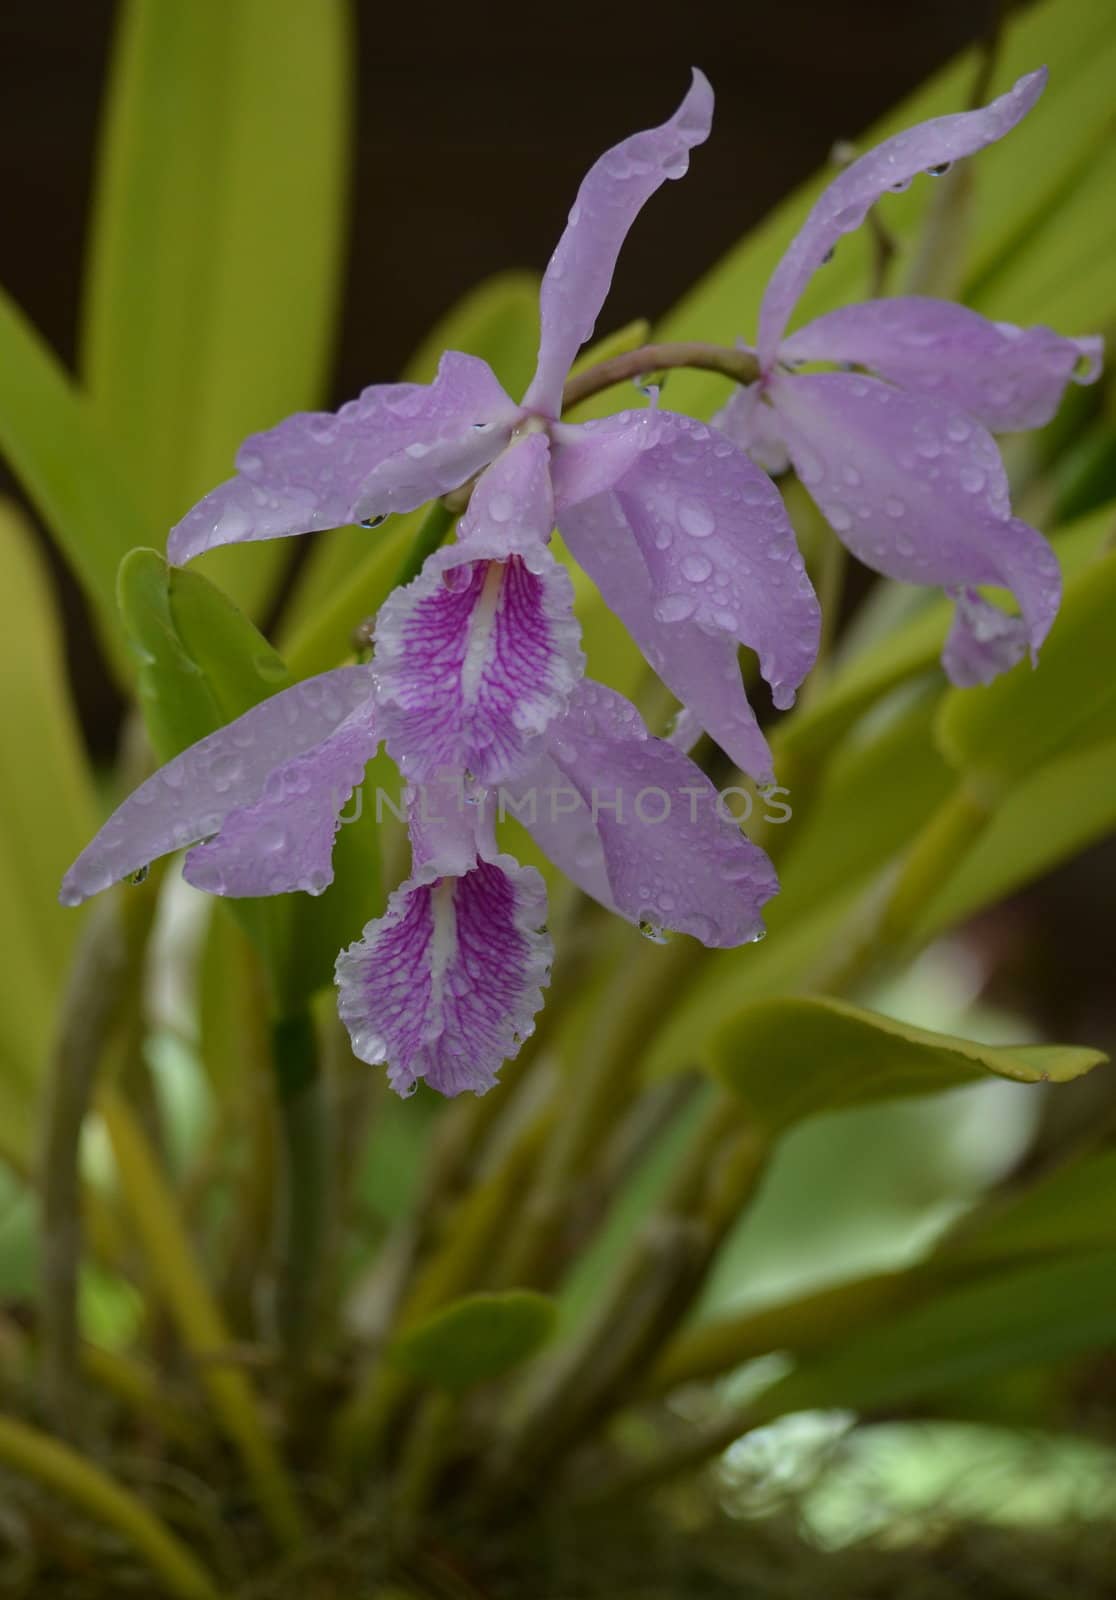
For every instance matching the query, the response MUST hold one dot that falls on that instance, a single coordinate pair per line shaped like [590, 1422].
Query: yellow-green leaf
[787, 1059]
[217, 242]
[476, 1338]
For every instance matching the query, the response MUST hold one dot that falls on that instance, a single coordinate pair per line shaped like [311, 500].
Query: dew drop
[696, 568]
[696, 519]
[139, 876]
[839, 518]
[972, 480]
[940, 170]
[958, 429]
[675, 608]
[500, 507]
[374, 522]
[894, 506]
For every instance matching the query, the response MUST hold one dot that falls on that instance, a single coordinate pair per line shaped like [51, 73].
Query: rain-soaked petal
[1006, 377]
[190, 797]
[612, 194]
[711, 528]
[446, 984]
[614, 805]
[400, 444]
[844, 204]
[915, 489]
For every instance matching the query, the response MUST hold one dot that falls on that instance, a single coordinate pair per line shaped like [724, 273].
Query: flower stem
[740, 365]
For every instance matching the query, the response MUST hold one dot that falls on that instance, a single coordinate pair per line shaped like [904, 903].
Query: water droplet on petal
[839, 517]
[374, 522]
[894, 506]
[940, 170]
[696, 519]
[696, 568]
[675, 608]
[500, 507]
[139, 876]
[972, 480]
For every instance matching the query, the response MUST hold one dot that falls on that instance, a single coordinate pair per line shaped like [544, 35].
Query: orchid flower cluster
[476, 683]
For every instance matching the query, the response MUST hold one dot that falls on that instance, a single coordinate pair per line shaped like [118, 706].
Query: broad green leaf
[477, 1338]
[1042, 1313]
[875, 795]
[999, 734]
[202, 663]
[1071, 1208]
[788, 1059]
[47, 814]
[47, 802]
[55, 448]
[217, 241]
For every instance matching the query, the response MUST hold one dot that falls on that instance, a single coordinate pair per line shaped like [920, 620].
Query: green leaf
[1068, 805]
[475, 1339]
[999, 734]
[217, 242]
[498, 321]
[56, 450]
[788, 1059]
[48, 812]
[1044, 1312]
[1071, 1208]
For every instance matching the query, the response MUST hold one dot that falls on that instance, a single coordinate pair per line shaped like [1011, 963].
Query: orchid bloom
[696, 554]
[899, 456]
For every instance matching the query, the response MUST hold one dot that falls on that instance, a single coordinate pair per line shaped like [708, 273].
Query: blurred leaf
[875, 795]
[55, 449]
[788, 1059]
[1071, 1208]
[47, 814]
[498, 320]
[318, 634]
[1066, 806]
[1044, 1312]
[997, 735]
[476, 1338]
[217, 242]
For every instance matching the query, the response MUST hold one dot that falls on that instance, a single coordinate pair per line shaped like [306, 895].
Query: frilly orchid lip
[898, 455]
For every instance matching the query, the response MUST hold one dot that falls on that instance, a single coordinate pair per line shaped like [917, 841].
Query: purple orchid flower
[446, 983]
[687, 539]
[902, 463]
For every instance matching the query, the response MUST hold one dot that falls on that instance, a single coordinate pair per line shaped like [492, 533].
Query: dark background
[475, 124]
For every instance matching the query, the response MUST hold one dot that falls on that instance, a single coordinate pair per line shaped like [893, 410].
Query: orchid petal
[446, 984]
[398, 445]
[983, 641]
[700, 668]
[1008, 378]
[190, 797]
[284, 840]
[915, 489]
[672, 858]
[713, 532]
[891, 165]
[481, 651]
[749, 422]
[611, 196]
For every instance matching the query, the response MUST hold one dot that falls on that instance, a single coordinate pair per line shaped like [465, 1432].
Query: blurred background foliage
[749, 1208]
